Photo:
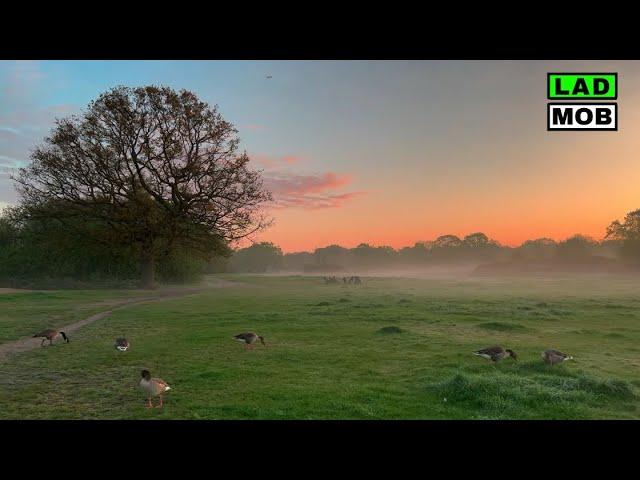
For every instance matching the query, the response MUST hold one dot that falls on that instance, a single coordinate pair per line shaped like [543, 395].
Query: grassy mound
[390, 330]
[528, 389]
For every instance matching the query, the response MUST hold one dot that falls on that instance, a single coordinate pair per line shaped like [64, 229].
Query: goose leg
[160, 405]
[42, 343]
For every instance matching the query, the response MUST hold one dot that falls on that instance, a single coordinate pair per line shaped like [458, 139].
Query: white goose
[153, 387]
[552, 357]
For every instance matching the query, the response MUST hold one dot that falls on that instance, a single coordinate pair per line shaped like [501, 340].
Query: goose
[122, 344]
[248, 338]
[552, 357]
[50, 334]
[153, 387]
[496, 354]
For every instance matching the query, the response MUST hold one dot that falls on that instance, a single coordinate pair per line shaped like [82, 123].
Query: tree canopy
[628, 232]
[156, 169]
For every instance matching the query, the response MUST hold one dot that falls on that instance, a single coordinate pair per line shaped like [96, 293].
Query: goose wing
[245, 336]
[46, 333]
[160, 385]
[555, 355]
[491, 351]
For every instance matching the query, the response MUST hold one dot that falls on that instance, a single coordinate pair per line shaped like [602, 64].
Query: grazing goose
[554, 356]
[153, 387]
[249, 338]
[496, 354]
[122, 344]
[50, 334]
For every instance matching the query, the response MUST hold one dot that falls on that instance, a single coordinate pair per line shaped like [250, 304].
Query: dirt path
[29, 343]
[12, 290]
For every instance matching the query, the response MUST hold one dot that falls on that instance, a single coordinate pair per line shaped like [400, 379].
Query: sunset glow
[385, 153]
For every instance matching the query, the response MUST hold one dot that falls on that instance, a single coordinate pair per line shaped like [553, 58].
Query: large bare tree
[159, 168]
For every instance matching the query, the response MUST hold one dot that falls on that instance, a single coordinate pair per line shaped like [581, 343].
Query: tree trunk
[148, 270]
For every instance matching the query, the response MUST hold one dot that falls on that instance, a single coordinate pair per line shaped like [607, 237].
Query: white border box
[575, 126]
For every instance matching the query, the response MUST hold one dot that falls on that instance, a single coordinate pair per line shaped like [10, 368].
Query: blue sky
[387, 152]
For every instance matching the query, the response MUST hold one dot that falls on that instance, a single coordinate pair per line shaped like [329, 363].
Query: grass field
[23, 314]
[331, 353]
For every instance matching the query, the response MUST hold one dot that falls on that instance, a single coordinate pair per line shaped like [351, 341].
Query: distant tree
[540, 242]
[297, 261]
[447, 241]
[160, 170]
[476, 240]
[332, 255]
[424, 245]
[416, 255]
[537, 249]
[629, 229]
[627, 232]
[258, 258]
[575, 248]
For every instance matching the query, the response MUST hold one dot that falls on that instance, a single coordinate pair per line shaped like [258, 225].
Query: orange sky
[508, 178]
[383, 152]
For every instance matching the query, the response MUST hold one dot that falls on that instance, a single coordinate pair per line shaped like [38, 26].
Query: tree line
[619, 249]
[149, 183]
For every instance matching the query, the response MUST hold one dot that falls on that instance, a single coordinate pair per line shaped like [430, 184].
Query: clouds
[25, 116]
[310, 191]
[20, 83]
[20, 132]
[291, 184]
[313, 202]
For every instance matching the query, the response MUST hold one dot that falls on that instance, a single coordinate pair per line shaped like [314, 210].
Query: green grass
[331, 353]
[25, 313]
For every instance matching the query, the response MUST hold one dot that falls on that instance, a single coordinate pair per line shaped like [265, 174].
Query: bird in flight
[268, 76]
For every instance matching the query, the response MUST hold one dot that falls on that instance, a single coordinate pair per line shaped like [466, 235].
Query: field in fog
[330, 352]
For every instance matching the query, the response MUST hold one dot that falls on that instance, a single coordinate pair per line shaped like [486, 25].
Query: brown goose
[248, 338]
[496, 354]
[122, 344]
[153, 387]
[552, 357]
[50, 334]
